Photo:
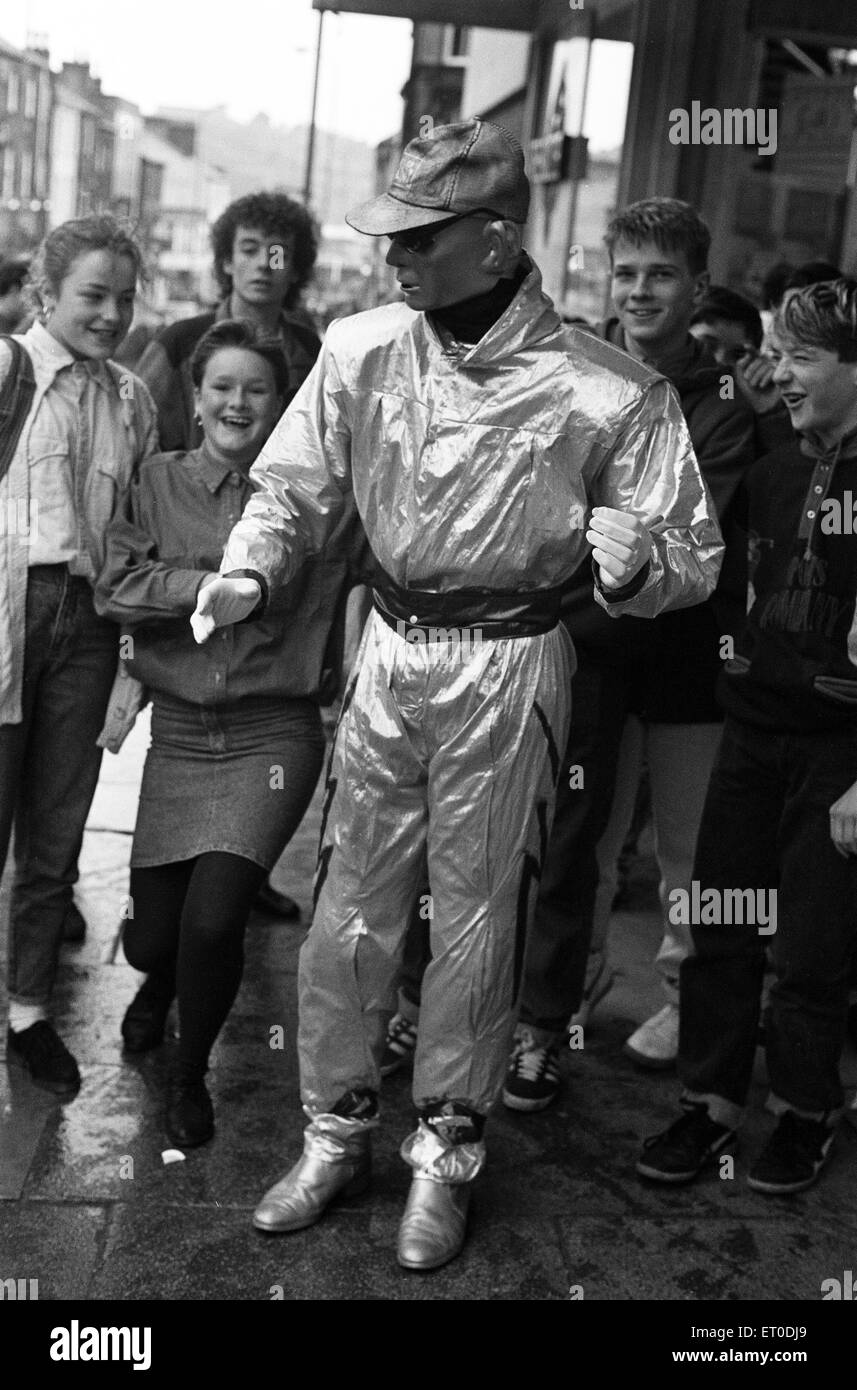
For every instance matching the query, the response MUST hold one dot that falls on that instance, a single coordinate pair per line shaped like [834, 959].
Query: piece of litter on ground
[172, 1156]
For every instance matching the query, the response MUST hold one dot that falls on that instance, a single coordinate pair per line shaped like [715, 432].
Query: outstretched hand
[221, 602]
[621, 545]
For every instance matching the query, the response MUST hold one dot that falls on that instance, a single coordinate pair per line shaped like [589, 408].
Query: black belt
[467, 614]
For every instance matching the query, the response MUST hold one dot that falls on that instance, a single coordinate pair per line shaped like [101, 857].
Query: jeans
[558, 944]
[680, 758]
[766, 826]
[49, 767]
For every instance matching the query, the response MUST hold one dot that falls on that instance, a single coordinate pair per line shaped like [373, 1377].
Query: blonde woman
[73, 429]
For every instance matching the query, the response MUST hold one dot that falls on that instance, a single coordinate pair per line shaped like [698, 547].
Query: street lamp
[311, 137]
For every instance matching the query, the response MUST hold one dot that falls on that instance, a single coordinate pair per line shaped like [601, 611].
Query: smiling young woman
[237, 740]
[75, 429]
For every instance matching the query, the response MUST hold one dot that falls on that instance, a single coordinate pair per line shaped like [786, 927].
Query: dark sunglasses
[417, 240]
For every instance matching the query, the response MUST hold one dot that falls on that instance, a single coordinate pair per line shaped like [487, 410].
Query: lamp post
[310, 149]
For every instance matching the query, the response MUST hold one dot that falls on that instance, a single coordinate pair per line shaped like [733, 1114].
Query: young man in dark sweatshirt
[780, 821]
[663, 672]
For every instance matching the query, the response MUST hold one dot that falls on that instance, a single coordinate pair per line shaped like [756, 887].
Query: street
[93, 1210]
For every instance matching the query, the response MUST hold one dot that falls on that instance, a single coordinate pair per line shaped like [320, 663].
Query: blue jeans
[766, 826]
[49, 767]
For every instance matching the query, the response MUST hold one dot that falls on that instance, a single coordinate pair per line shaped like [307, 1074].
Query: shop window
[8, 190]
[576, 160]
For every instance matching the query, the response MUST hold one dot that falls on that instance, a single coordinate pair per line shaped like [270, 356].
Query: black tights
[188, 932]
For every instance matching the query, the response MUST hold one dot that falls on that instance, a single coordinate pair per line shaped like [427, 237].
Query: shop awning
[484, 14]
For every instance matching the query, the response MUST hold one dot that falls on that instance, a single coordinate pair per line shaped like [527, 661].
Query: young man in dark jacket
[775, 863]
[264, 251]
[663, 672]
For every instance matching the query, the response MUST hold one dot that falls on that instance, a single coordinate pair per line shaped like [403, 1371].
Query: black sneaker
[400, 1045]
[793, 1156]
[680, 1153]
[42, 1051]
[532, 1081]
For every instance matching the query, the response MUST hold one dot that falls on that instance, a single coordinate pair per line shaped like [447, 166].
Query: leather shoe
[73, 925]
[300, 1198]
[190, 1114]
[434, 1224]
[146, 1016]
[276, 904]
[42, 1051]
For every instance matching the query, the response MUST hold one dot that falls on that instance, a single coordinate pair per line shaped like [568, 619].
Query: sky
[249, 55]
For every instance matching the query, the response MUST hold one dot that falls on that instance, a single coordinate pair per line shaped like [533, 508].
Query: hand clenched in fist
[221, 602]
[621, 545]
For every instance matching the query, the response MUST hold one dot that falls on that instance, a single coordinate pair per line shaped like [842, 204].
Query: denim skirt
[236, 779]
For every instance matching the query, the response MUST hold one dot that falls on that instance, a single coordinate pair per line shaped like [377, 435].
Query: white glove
[221, 602]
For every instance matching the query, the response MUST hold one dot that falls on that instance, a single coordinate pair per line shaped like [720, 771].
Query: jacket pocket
[52, 509]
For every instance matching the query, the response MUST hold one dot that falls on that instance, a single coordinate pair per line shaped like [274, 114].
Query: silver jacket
[477, 467]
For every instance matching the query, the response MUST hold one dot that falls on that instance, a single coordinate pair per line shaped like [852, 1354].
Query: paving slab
[24, 1112]
[349, 1256]
[683, 1258]
[57, 1244]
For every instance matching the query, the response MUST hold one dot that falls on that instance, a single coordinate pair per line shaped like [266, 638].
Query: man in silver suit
[486, 447]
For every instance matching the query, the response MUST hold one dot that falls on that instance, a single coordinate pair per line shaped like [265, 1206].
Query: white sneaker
[655, 1043]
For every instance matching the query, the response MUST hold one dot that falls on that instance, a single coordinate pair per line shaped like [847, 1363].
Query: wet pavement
[90, 1207]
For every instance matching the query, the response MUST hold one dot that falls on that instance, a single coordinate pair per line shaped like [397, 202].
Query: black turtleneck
[470, 319]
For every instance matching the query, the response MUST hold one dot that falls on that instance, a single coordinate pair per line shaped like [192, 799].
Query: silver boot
[435, 1221]
[434, 1224]
[336, 1162]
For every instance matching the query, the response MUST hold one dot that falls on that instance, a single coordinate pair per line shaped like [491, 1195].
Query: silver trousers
[445, 760]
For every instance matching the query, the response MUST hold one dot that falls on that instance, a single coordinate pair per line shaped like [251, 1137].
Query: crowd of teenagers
[587, 553]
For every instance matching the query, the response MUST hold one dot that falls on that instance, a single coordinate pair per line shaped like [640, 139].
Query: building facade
[744, 108]
[25, 124]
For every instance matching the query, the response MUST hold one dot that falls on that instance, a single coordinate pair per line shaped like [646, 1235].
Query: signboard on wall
[816, 129]
[552, 155]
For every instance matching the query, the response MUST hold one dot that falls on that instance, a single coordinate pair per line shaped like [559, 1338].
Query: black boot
[73, 925]
[146, 1015]
[190, 1114]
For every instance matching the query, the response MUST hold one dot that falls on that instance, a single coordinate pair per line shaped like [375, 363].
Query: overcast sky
[249, 55]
